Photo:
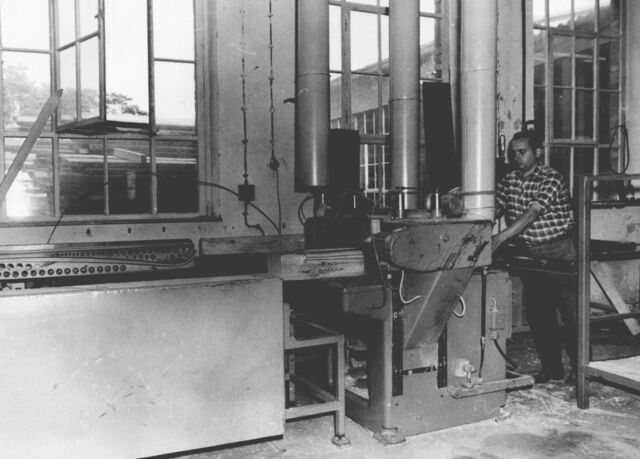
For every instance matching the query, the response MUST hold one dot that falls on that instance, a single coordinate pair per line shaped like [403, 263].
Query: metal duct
[479, 19]
[632, 111]
[404, 75]
[312, 95]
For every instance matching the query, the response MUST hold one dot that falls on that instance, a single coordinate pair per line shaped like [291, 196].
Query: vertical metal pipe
[479, 19]
[404, 76]
[632, 112]
[312, 95]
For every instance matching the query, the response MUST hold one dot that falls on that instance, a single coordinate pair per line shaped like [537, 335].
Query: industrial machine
[425, 346]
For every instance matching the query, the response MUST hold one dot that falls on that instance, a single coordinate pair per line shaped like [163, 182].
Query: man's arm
[521, 224]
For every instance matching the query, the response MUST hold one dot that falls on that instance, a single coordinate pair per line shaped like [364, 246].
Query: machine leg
[389, 436]
[340, 438]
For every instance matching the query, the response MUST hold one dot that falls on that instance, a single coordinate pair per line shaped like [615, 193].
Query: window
[359, 67]
[149, 71]
[577, 83]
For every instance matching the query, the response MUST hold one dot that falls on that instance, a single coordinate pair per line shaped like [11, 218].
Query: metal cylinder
[632, 112]
[404, 76]
[478, 105]
[312, 95]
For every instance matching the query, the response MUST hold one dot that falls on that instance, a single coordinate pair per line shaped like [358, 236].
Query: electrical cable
[76, 201]
[245, 214]
[229, 190]
[274, 165]
[301, 216]
[383, 281]
[625, 149]
[400, 291]
[464, 308]
[245, 139]
[111, 181]
[504, 356]
[483, 319]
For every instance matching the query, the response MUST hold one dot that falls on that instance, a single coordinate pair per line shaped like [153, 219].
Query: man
[536, 205]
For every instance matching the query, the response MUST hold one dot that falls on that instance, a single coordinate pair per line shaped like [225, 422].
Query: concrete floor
[540, 422]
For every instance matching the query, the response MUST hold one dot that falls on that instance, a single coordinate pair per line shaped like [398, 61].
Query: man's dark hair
[535, 140]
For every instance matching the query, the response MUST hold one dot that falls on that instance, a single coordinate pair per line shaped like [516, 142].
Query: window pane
[539, 13]
[584, 14]
[364, 95]
[81, 176]
[31, 194]
[177, 168]
[428, 6]
[584, 114]
[335, 91]
[562, 106]
[26, 88]
[175, 96]
[608, 115]
[15, 14]
[173, 29]
[583, 161]
[126, 61]
[66, 21]
[129, 165]
[560, 160]
[584, 62]
[335, 38]
[364, 42]
[384, 41]
[539, 53]
[430, 58]
[89, 78]
[562, 50]
[560, 14]
[67, 108]
[609, 63]
[610, 16]
[88, 16]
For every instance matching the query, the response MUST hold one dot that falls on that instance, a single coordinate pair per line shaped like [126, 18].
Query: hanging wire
[400, 295]
[464, 308]
[274, 165]
[624, 148]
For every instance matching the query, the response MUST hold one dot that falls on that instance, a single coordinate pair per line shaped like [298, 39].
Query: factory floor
[539, 422]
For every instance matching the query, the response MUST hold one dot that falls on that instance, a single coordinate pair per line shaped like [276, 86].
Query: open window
[125, 65]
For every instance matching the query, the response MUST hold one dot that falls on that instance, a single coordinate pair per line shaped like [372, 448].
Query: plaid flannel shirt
[544, 185]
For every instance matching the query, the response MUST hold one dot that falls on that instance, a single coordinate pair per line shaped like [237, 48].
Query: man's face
[523, 155]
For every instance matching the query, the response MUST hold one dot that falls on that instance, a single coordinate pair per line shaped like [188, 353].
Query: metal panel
[140, 369]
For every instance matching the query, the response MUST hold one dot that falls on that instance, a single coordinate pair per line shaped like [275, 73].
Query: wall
[255, 51]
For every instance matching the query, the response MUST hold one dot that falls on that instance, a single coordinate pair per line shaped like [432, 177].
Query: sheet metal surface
[133, 370]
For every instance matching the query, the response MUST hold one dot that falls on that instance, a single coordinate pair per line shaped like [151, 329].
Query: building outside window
[578, 85]
[359, 68]
[148, 72]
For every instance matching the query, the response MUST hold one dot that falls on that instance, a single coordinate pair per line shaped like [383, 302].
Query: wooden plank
[285, 243]
[323, 264]
[36, 129]
[603, 275]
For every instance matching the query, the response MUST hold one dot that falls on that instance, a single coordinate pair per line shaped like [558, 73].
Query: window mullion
[102, 71]
[345, 31]
[78, 61]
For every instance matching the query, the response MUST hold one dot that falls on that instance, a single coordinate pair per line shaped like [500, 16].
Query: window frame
[573, 143]
[378, 140]
[202, 137]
